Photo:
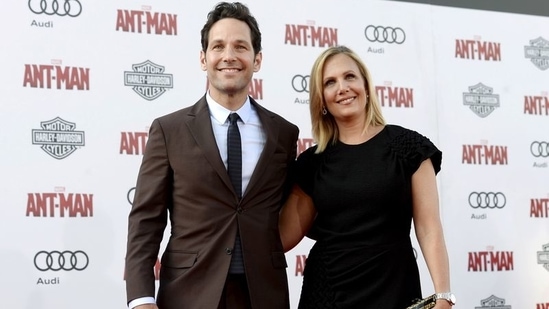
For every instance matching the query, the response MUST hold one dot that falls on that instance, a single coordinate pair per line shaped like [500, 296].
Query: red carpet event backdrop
[82, 81]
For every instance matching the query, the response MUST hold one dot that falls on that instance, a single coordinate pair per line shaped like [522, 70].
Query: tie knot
[233, 118]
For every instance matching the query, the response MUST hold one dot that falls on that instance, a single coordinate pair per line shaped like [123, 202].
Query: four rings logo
[487, 200]
[539, 149]
[300, 83]
[71, 8]
[382, 34]
[130, 195]
[61, 260]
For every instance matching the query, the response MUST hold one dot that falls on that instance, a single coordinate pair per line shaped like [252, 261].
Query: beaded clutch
[425, 303]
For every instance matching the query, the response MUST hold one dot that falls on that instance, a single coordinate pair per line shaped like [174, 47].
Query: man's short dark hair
[234, 10]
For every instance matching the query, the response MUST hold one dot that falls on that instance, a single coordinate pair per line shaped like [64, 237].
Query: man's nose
[229, 54]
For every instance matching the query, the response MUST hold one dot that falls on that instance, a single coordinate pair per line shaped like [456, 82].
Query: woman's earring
[324, 111]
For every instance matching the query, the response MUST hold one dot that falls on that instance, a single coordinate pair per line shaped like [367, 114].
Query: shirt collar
[220, 113]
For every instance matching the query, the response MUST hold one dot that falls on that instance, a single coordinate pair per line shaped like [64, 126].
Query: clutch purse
[425, 303]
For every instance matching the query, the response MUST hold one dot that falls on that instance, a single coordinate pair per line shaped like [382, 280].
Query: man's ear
[203, 60]
[257, 61]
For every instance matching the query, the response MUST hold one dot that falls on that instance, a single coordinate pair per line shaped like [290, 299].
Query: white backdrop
[84, 79]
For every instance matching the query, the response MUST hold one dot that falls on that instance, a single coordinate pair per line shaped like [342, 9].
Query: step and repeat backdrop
[82, 81]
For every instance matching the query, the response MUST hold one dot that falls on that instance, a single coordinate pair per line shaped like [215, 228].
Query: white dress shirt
[251, 134]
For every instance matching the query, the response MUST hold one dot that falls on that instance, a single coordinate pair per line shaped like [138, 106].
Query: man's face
[229, 59]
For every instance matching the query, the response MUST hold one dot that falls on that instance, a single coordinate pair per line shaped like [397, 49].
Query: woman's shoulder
[399, 134]
[412, 146]
[308, 153]
[395, 130]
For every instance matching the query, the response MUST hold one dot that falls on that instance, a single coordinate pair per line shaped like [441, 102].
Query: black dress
[363, 257]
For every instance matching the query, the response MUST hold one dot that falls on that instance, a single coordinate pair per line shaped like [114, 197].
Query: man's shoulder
[175, 114]
[281, 119]
[183, 112]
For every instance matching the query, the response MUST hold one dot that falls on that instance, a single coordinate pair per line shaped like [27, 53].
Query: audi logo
[61, 260]
[61, 8]
[300, 83]
[487, 200]
[130, 195]
[382, 34]
[540, 149]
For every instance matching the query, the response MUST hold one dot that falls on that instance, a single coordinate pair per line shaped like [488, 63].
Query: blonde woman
[357, 192]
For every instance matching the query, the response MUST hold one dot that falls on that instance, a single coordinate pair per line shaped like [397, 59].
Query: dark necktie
[234, 154]
[234, 167]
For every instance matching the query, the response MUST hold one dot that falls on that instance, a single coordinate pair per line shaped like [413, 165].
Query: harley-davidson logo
[481, 100]
[58, 137]
[148, 80]
[538, 53]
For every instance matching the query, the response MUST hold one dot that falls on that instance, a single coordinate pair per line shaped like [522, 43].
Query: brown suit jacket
[182, 177]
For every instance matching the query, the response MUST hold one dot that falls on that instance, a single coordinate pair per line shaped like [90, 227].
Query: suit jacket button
[229, 251]
[239, 210]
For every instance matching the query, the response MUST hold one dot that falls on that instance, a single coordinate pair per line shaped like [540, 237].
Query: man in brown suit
[224, 250]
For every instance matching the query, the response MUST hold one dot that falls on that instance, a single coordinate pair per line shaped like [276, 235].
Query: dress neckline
[375, 136]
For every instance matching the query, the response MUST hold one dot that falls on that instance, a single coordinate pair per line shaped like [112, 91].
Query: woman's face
[343, 88]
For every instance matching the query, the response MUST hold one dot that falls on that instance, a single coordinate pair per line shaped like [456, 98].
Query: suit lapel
[199, 124]
[270, 127]
[200, 127]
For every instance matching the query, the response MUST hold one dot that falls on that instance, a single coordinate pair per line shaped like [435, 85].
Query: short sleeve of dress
[414, 148]
[305, 168]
